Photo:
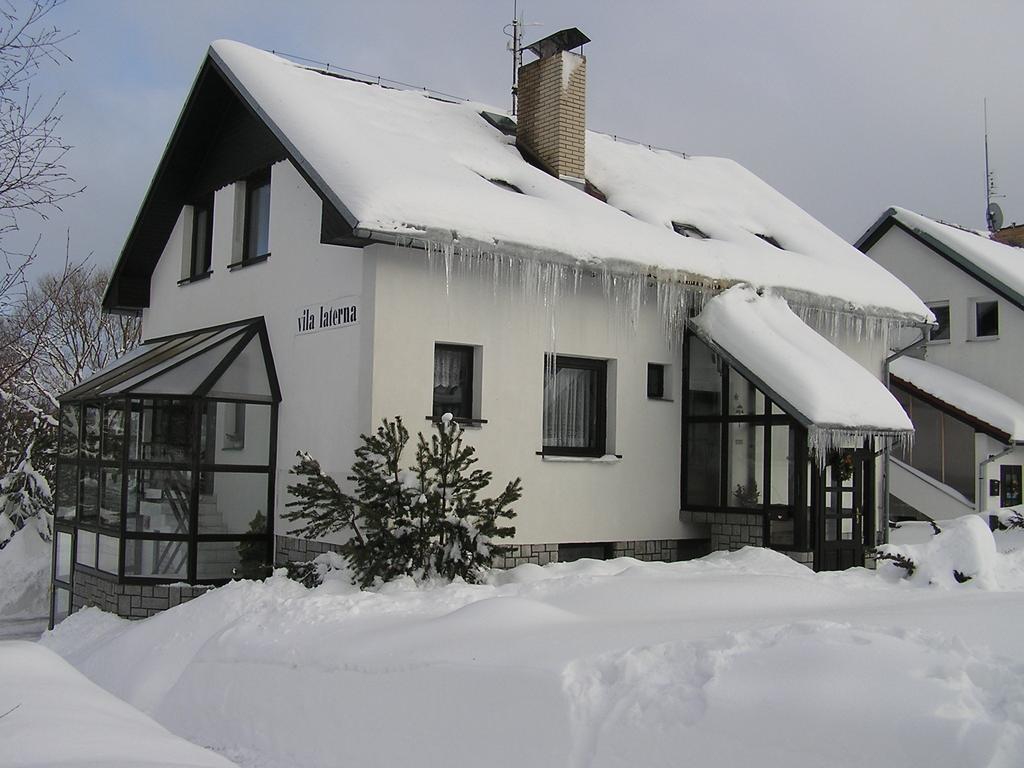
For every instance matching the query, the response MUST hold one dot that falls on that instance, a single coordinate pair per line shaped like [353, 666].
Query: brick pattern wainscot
[132, 601]
[293, 550]
[734, 530]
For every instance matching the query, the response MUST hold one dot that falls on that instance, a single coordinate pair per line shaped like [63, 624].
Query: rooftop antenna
[993, 213]
[515, 45]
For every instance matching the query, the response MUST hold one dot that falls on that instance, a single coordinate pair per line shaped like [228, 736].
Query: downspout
[926, 334]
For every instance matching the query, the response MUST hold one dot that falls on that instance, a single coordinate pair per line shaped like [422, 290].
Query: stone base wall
[732, 530]
[132, 601]
[289, 549]
[663, 550]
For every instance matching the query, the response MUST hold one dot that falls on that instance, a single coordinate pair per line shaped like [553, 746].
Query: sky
[845, 107]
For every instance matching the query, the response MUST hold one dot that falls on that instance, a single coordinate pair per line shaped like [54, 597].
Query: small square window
[656, 381]
[986, 319]
[575, 407]
[453, 381]
[256, 240]
[941, 312]
[202, 236]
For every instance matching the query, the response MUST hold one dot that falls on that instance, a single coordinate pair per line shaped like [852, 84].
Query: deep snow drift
[734, 660]
[24, 576]
[50, 715]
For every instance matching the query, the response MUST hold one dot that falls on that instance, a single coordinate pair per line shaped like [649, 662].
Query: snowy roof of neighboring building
[995, 264]
[1004, 414]
[826, 389]
[403, 166]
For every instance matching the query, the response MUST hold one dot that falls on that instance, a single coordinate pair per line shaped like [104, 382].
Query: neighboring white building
[669, 353]
[965, 396]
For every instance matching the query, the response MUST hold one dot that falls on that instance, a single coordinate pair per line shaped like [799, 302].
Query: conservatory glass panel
[91, 433]
[62, 571]
[705, 395]
[176, 352]
[110, 498]
[227, 559]
[235, 433]
[159, 500]
[744, 398]
[108, 554]
[236, 503]
[185, 378]
[782, 530]
[67, 491]
[745, 465]
[703, 463]
[61, 604]
[161, 430]
[783, 476]
[246, 378]
[154, 558]
[958, 464]
[89, 495]
[85, 551]
[69, 416]
[113, 431]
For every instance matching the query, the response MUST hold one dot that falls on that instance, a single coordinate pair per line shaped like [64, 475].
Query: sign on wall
[325, 316]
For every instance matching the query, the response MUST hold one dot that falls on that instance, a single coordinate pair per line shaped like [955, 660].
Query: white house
[670, 354]
[965, 396]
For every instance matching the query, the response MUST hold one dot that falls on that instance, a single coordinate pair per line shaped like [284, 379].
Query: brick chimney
[1011, 235]
[552, 105]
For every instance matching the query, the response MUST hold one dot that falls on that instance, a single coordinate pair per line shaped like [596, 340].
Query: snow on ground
[51, 716]
[732, 660]
[24, 577]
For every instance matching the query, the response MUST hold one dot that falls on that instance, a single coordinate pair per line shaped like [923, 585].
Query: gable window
[202, 237]
[453, 381]
[688, 230]
[941, 312]
[256, 240]
[575, 407]
[986, 319]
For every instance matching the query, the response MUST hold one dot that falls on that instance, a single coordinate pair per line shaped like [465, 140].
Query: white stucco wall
[636, 497]
[994, 362]
[322, 375]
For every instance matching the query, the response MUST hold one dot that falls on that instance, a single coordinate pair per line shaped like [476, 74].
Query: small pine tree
[424, 522]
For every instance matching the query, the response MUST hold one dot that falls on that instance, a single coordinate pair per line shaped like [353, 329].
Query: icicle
[823, 441]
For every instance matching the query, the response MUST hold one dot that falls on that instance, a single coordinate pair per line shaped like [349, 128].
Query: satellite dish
[994, 216]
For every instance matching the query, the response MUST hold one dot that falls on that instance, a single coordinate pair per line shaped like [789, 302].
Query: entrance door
[844, 501]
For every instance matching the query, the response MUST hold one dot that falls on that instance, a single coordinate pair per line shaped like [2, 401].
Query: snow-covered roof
[999, 265]
[825, 388]
[403, 164]
[964, 394]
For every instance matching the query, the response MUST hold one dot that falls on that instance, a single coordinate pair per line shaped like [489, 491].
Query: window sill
[195, 278]
[983, 338]
[661, 399]
[938, 342]
[608, 458]
[248, 262]
[461, 420]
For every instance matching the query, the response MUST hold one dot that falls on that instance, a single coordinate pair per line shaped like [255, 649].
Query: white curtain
[569, 409]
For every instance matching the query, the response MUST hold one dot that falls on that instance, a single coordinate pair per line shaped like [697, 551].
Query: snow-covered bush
[25, 502]
[425, 521]
[964, 550]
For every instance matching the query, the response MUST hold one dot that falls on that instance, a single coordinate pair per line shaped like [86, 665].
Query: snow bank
[984, 403]
[964, 546]
[24, 576]
[739, 658]
[52, 717]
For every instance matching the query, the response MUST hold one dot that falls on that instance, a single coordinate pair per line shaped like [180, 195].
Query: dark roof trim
[294, 155]
[889, 219]
[951, 410]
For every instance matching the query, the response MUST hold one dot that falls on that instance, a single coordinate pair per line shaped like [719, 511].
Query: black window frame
[977, 318]
[656, 381]
[253, 184]
[598, 419]
[201, 267]
[468, 354]
[942, 331]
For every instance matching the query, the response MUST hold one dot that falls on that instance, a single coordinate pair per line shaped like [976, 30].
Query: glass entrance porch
[165, 468]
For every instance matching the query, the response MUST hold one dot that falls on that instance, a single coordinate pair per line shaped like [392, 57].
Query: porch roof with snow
[984, 408]
[996, 265]
[404, 167]
[809, 377]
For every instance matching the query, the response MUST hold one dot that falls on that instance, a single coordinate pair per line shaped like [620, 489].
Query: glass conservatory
[165, 469]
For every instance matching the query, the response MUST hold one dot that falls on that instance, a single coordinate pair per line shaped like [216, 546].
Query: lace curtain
[569, 408]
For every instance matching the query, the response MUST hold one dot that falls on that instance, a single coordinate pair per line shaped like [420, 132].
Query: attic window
[503, 123]
[506, 185]
[769, 239]
[688, 230]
